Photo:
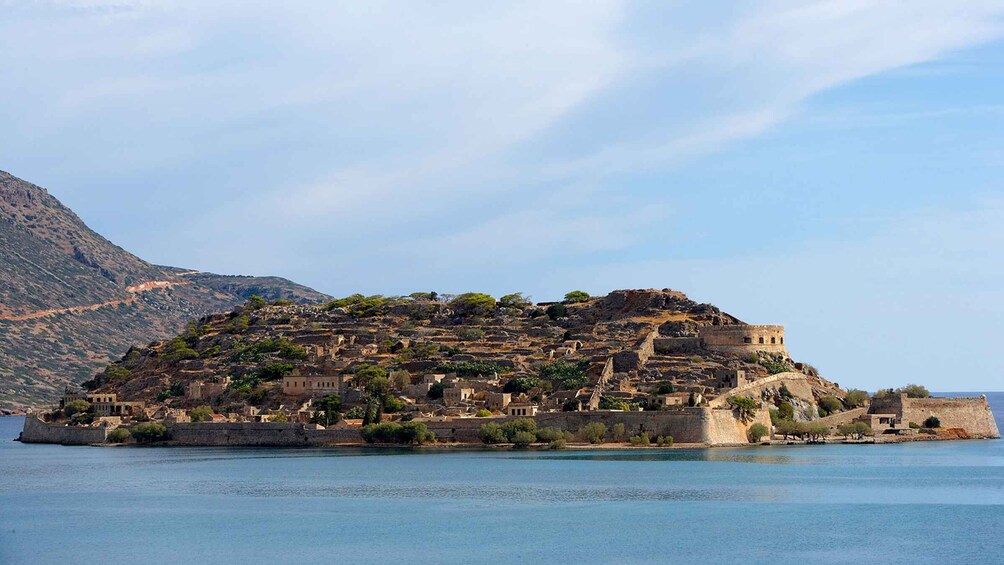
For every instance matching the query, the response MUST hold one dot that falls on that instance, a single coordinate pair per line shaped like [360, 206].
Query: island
[634, 368]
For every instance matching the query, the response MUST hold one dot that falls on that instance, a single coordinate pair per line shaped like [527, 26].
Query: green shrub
[473, 304]
[932, 422]
[387, 432]
[515, 300]
[492, 433]
[914, 426]
[436, 391]
[392, 404]
[356, 413]
[557, 444]
[116, 372]
[757, 432]
[593, 432]
[745, 406]
[148, 432]
[472, 368]
[831, 404]
[279, 417]
[914, 391]
[483, 413]
[520, 385]
[255, 302]
[617, 432]
[519, 425]
[201, 414]
[856, 398]
[119, 435]
[523, 439]
[576, 296]
[470, 334]
[565, 374]
[556, 311]
[415, 433]
[665, 388]
[664, 441]
[549, 434]
[783, 392]
[640, 440]
[76, 407]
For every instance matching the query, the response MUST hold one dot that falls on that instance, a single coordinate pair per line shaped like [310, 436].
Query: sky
[833, 166]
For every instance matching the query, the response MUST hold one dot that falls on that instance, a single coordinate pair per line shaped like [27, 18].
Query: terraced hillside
[434, 356]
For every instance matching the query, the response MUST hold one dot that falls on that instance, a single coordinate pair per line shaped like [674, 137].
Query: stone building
[522, 410]
[203, 390]
[456, 395]
[743, 338]
[730, 378]
[296, 384]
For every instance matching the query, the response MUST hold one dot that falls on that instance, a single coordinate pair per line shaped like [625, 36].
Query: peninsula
[634, 367]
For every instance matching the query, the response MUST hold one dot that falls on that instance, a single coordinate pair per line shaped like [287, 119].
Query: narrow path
[133, 291]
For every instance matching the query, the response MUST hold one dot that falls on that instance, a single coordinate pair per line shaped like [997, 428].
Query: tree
[201, 414]
[515, 300]
[392, 404]
[519, 425]
[279, 417]
[576, 296]
[932, 422]
[416, 433]
[520, 385]
[856, 398]
[436, 391]
[617, 432]
[473, 304]
[119, 435]
[786, 411]
[326, 411]
[692, 399]
[400, 379]
[830, 405]
[255, 302]
[914, 391]
[757, 432]
[556, 311]
[492, 433]
[855, 429]
[76, 407]
[549, 434]
[593, 432]
[365, 373]
[523, 439]
[665, 388]
[786, 428]
[148, 432]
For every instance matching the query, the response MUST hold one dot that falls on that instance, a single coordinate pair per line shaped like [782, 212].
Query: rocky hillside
[70, 300]
[628, 350]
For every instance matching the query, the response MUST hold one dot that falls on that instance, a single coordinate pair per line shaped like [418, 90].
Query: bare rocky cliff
[70, 300]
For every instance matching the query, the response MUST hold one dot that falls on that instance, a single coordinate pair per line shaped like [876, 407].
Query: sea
[934, 502]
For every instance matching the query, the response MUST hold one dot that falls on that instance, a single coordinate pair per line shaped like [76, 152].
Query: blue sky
[832, 166]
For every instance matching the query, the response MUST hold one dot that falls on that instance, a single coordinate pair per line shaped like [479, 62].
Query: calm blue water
[916, 503]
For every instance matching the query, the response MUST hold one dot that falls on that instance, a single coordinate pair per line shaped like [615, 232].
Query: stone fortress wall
[742, 338]
[699, 425]
[36, 431]
[970, 414]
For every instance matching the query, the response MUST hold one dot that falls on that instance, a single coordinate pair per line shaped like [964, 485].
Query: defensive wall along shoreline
[692, 425]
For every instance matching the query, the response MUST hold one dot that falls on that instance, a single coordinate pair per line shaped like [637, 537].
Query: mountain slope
[70, 300]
